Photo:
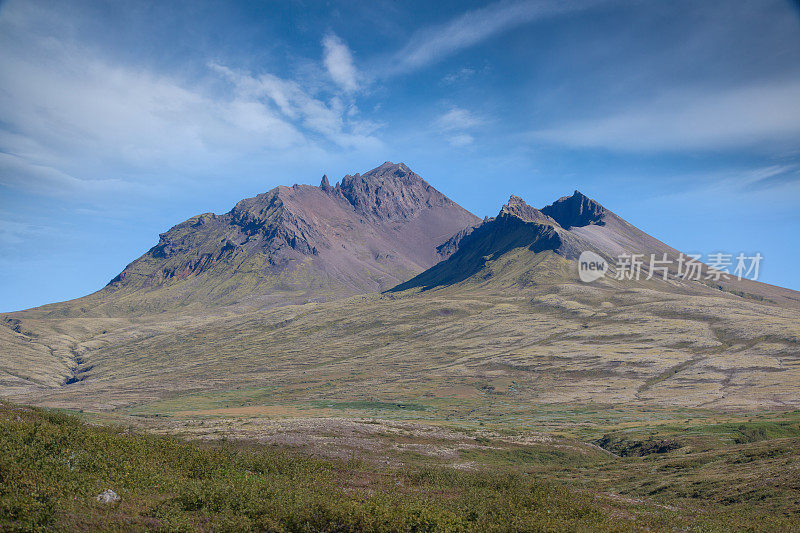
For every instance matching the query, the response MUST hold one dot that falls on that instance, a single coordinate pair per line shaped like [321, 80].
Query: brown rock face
[367, 233]
[391, 192]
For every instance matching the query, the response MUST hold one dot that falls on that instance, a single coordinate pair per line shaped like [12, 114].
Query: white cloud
[75, 122]
[457, 119]
[339, 62]
[295, 104]
[461, 139]
[432, 44]
[459, 76]
[78, 116]
[20, 173]
[454, 125]
[748, 116]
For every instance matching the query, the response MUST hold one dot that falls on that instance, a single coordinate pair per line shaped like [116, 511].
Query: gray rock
[108, 496]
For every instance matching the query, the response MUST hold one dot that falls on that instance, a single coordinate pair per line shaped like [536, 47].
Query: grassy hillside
[475, 354]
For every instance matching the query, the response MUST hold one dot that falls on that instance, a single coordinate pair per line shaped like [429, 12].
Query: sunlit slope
[449, 350]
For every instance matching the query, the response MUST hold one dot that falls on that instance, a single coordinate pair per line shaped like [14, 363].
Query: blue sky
[121, 119]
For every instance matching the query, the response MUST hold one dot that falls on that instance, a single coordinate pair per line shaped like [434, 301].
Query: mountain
[520, 239]
[501, 326]
[367, 233]
[523, 246]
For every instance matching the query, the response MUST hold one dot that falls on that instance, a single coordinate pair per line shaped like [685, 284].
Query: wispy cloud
[454, 125]
[457, 119]
[774, 176]
[21, 173]
[766, 190]
[338, 61]
[459, 76]
[331, 120]
[12, 233]
[75, 122]
[70, 117]
[435, 43]
[762, 114]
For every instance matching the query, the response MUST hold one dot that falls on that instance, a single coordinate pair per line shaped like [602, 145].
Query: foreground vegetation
[53, 465]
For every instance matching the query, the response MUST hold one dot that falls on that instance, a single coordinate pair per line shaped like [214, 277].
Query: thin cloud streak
[774, 177]
[435, 43]
[20, 173]
[13, 233]
[766, 114]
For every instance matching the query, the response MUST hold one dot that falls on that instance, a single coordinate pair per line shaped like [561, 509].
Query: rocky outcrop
[518, 225]
[450, 246]
[517, 207]
[575, 211]
[391, 192]
[325, 184]
[108, 496]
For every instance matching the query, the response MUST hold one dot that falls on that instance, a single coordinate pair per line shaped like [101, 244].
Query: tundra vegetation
[699, 476]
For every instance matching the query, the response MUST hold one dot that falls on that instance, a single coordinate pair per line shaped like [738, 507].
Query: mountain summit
[367, 233]
[575, 211]
[391, 192]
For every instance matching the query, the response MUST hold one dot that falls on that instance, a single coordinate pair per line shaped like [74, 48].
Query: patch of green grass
[206, 400]
[368, 405]
[527, 456]
[754, 431]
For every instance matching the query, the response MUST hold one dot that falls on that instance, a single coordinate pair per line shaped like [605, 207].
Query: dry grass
[460, 354]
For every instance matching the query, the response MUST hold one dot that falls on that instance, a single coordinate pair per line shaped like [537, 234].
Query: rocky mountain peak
[388, 168]
[390, 191]
[517, 207]
[576, 211]
[325, 184]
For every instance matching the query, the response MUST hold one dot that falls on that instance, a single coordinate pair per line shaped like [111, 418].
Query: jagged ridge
[545, 244]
